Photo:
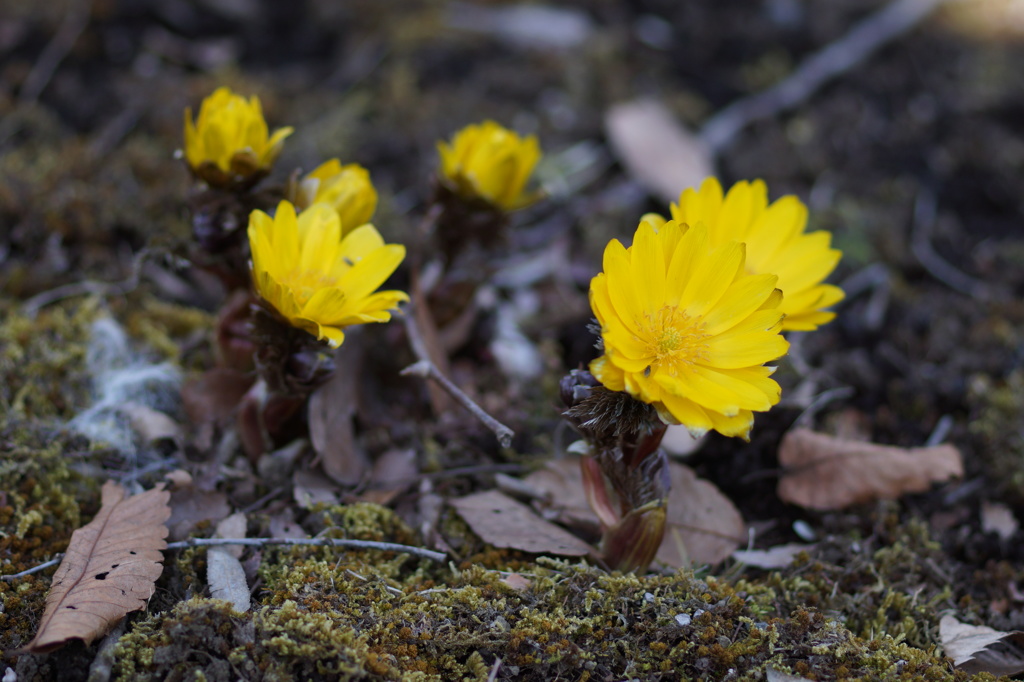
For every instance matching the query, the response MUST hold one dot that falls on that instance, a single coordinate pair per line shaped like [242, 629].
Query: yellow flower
[776, 244]
[490, 162]
[686, 329]
[228, 143]
[317, 280]
[347, 188]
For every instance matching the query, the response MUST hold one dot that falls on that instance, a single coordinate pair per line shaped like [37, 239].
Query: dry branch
[428, 370]
[834, 59]
[331, 542]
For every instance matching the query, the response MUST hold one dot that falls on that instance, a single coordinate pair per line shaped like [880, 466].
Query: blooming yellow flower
[776, 244]
[228, 143]
[490, 162]
[317, 280]
[347, 188]
[687, 329]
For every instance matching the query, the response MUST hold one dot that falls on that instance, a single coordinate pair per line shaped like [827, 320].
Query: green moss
[41, 504]
[41, 360]
[336, 617]
[996, 408]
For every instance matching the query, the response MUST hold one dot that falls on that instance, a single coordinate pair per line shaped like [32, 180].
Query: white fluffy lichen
[122, 381]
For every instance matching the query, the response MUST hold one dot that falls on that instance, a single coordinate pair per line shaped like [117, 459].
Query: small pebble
[804, 530]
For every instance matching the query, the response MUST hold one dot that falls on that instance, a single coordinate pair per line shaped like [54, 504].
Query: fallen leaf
[999, 519]
[392, 473]
[429, 340]
[109, 569]
[275, 468]
[283, 525]
[702, 526]
[226, 577]
[233, 526]
[331, 410]
[517, 582]
[656, 148]
[179, 478]
[214, 395]
[503, 522]
[151, 425]
[562, 482]
[980, 649]
[985, 20]
[310, 488]
[778, 556]
[191, 506]
[823, 472]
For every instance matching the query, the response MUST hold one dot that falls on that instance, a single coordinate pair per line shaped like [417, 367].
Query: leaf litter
[702, 525]
[981, 649]
[224, 571]
[110, 568]
[827, 473]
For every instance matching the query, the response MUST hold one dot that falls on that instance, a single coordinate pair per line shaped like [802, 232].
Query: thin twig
[493, 675]
[941, 430]
[35, 569]
[311, 542]
[834, 59]
[426, 369]
[103, 665]
[263, 542]
[806, 418]
[55, 51]
[925, 210]
[32, 305]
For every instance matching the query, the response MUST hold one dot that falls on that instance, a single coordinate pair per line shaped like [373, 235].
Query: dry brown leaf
[331, 410]
[310, 488]
[980, 649]
[429, 337]
[150, 424]
[985, 20]
[562, 481]
[823, 472]
[214, 395]
[283, 525]
[503, 522]
[656, 149]
[191, 506]
[517, 582]
[109, 569]
[702, 526]
[392, 473]
[179, 478]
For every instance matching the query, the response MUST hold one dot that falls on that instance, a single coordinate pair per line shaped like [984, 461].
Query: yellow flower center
[675, 340]
[304, 283]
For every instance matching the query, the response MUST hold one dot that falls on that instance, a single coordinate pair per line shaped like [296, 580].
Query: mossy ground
[87, 180]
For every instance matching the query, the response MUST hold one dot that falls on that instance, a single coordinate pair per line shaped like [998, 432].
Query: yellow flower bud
[228, 144]
[347, 188]
[487, 161]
